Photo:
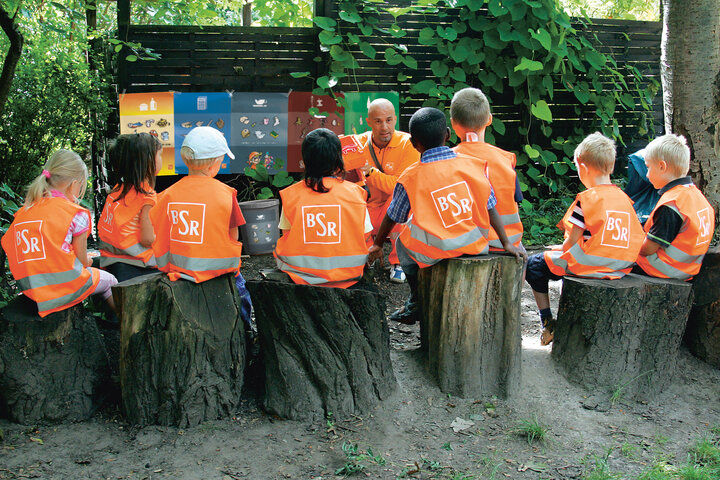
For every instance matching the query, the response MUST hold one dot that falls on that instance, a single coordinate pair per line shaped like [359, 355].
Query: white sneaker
[396, 274]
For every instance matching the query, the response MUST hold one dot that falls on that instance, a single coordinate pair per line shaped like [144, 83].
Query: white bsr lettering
[28, 244]
[462, 207]
[190, 228]
[619, 232]
[323, 230]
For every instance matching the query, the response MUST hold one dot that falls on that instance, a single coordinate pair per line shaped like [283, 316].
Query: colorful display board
[151, 113]
[261, 128]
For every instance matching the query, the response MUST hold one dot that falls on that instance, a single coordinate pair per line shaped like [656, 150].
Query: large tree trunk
[326, 350]
[691, 84]
[182, 349]
[52, 369]
[13, 55]
[702, 335]
[470, 324]
[621, 335]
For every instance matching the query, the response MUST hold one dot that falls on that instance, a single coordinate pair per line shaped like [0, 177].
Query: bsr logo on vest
[106, 222]
[453, 203]
[705, 231]
[617, 230]
[29, 242]
[321, 224]
[187, 222]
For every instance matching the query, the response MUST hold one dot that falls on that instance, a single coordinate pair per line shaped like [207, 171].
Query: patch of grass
[619, 390]
[532, 429]
[447, 446]
[628, 450]
[596, 467]
[357, 460]
[431, 469]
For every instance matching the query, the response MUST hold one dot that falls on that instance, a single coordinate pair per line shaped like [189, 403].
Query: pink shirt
[79, 225]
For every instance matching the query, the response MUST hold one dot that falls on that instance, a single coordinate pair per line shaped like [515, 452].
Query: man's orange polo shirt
[394, 159]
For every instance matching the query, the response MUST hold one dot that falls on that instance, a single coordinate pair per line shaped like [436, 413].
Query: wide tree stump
[623, 335]
[702, 335]
[470, 324]
[326, 350]
[52, 369]
[182, 349]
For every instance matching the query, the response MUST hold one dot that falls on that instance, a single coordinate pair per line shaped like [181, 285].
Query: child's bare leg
[542, 300]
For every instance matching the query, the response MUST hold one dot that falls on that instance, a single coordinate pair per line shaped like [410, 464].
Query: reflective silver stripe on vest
[40, 280]
[133, 250]
[595, 261]
[324, 263]
[448, 244]
[682, 257]
[66, 299]
[666, 269]
[555, 258]
[310, 278]
[197, 264]
[562, 263]
[510, 218]
[513, 239]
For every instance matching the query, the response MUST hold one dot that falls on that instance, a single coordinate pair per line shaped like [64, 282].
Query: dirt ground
[408, 436]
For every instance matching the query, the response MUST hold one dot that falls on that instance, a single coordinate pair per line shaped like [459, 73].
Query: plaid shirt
[399, 209]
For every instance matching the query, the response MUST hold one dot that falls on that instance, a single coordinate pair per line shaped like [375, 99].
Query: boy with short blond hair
[470, 116]
[603, 235]
[196, 220]
[681, 226]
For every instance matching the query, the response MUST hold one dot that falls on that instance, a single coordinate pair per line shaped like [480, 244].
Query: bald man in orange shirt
[393, 155]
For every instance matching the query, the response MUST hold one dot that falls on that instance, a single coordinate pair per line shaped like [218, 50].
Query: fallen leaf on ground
[460, 424]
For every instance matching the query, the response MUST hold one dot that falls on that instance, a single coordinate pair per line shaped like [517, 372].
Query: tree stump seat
[52, 369]
[182, 349]
[621, 336]
[702, 335]
[470, 324]
[325, 350]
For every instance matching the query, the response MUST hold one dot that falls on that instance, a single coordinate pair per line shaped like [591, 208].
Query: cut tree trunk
[702, 335]
[691, 86]
[470, 324]
[52, 369]
[621, 336]
[182, 350]
[326, 350]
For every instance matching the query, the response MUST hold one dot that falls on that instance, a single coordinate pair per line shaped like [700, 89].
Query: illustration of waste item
[245, 132]
[274, 134]
[153, 104]
[298, 121]
[202, 103]
[199, 123]
[135, 124]
[165, 136]
[253, 124]
[186, 124]
[209, 123]
[149, 122]
[244, 119]
[153, 133]
[259, 134]
[162, 123]
[276, 122]
[266, 121]
[220, 123]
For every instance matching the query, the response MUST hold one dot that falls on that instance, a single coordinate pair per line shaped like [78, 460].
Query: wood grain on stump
[326, 350]
[702, 335]
[470, 324]
[182, 349]
[621, 336]
[52, 369]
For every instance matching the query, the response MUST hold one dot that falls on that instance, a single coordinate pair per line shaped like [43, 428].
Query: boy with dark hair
[452, 203]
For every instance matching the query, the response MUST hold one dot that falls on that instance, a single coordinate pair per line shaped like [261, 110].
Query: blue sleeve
[399, 208]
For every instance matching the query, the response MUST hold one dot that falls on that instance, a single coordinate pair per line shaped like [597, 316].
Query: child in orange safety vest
[447, 202]
[681, 226]
[125, 230]
[603, 235]
[325, 220]
[46, 244]
[470, 116]
[196, 220]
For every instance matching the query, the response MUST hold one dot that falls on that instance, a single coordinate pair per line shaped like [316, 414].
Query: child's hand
[518, 252]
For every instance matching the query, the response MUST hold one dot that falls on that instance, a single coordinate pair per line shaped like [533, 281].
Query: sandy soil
[408, 436]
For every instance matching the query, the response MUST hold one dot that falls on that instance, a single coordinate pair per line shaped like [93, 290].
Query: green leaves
[448, 33]
[527, 64]
[325, 23]
[329, 38]
[542, 111]
[439, 69]
[542, 36]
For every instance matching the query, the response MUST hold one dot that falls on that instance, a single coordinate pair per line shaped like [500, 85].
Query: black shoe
[407, 314]
[252, 345]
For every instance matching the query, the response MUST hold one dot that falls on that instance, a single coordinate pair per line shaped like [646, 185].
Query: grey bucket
[260, 232]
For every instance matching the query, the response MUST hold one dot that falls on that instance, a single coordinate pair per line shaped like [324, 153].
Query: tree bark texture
[690, 66]
[182, 349]
[702, 335]
[13, 55]
[470, 324]
[621, 335]
[326, 350]
[52, 369]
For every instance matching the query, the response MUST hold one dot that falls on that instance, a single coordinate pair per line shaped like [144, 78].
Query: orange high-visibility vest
[192, 222]
[325, 245]
[114, 246]
[615, 236]
[449, 218]
[683, 258]
[53, 278]
[501, 173]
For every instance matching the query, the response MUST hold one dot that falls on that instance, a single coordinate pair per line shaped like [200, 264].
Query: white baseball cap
[207, 142]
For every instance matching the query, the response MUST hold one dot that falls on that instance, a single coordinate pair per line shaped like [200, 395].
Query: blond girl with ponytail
[46, 245]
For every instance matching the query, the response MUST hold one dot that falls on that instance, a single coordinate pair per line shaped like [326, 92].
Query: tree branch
[13, 55]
